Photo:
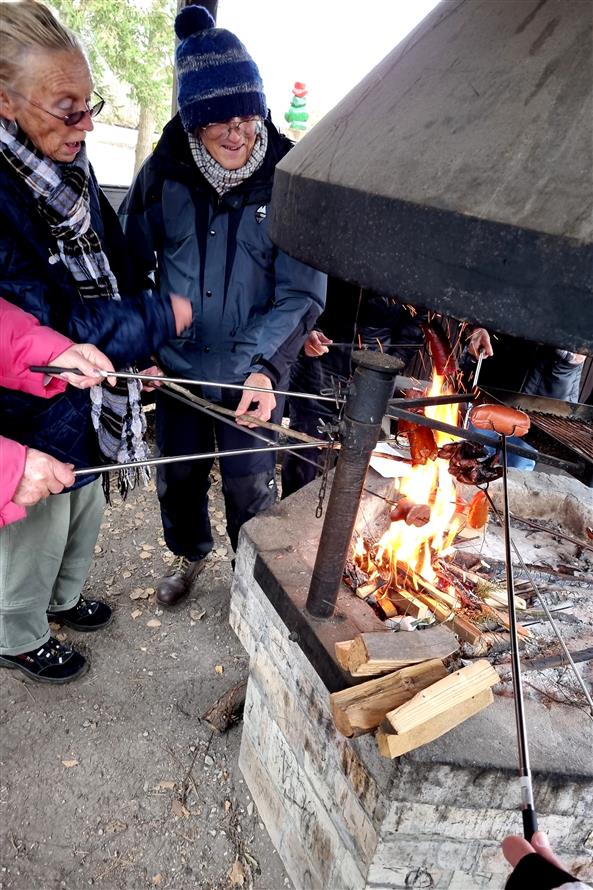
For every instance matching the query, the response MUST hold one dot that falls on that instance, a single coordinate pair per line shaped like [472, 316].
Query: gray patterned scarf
[221, 179]
[61, 193]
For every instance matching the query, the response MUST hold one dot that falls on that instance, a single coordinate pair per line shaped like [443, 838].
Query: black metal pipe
[429, 401]
[370, 390]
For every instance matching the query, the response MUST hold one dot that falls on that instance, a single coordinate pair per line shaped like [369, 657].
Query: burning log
[378, 653]
[437, 709]
[362, 708]
[407, 604]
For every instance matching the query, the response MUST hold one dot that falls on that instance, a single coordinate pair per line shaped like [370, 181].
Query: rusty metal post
[370, 390]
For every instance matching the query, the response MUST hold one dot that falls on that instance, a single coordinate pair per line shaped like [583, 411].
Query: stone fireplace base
[344, 818]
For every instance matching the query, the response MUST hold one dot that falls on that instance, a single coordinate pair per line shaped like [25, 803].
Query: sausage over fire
[501, 419]
[441, 351]
[413, 514]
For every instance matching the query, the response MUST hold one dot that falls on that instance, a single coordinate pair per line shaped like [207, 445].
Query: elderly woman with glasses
[61, 259]
[197, 217]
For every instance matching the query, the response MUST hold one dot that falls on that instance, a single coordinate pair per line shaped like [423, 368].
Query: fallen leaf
[148, 546]
[137, 613]
[219, 669]
[98, 548]
[69, 763]
[197, 614]
[154, 622]
[166, 785]
[145, 554]
[149, 591]
[116, 826]
[138, 594]
[221, 529]
[126, 574]
[178, 809]
[237, 874]
[227, 806]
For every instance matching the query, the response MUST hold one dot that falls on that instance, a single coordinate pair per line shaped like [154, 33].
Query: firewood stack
[418, 700]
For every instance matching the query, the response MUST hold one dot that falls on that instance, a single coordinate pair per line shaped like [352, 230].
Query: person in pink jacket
[28, 475]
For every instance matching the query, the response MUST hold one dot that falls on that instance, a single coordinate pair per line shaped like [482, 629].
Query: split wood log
[465, 629]
[392, 745]
[498, 594]
[443, 696]
[227, 710]
[407, 604]
[342, 653]
[362, 708]
[379, 653]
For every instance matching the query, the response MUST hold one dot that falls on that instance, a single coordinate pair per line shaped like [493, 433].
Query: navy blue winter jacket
[33, 277]
[253, 305]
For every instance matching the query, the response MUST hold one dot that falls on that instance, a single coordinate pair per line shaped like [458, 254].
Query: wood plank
[378, 653]
[363, 707]
[392, 745]
[443, 696]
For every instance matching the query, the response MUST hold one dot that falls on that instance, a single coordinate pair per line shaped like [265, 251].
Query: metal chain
[323, 485]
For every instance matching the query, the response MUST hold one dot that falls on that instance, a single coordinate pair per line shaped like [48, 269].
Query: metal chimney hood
[458, 175]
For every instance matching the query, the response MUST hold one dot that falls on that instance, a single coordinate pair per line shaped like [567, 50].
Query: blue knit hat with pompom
[217, 78]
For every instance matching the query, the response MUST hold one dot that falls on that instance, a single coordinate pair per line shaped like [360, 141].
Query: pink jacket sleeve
[12, 467]
[24, 342]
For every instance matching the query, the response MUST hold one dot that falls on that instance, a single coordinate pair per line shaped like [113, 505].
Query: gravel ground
[114, 781]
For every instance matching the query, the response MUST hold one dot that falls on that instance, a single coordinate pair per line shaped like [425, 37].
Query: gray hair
[28, 26]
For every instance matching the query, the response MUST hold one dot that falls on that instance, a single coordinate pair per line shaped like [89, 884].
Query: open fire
[411, 571]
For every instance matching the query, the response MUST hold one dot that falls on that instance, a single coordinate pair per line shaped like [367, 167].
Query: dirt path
[113, 781]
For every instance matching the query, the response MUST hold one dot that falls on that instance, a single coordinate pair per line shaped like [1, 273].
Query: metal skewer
[474, 384]
[151, 378]
[527, 805]
[180, 458]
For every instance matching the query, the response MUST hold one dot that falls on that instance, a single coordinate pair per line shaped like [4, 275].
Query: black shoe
[86, 615]
[177, 582]
[52, 663]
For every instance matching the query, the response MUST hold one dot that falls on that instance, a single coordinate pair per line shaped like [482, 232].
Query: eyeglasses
[247, 126]
[75, 117]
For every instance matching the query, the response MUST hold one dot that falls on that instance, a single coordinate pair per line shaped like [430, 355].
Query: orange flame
[414, 547]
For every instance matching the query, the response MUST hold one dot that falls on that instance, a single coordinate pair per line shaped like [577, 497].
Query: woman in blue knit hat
[196, 222]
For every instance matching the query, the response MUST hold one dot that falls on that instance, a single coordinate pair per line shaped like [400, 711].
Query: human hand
[316, 344]
[515, 848]
[88, 359]
[43, 475]
[479, 341]
[265, 402]
[182, 311]
[153, 371]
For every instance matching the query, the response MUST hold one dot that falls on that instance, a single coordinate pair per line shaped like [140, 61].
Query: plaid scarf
[221, 179]
[62, 199]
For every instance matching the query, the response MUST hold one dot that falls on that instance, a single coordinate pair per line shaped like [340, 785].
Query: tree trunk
[146, 125]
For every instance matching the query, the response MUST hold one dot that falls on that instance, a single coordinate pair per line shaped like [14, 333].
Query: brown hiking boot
[178, 581]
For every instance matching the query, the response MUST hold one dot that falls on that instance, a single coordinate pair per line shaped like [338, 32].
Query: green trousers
[44, 560]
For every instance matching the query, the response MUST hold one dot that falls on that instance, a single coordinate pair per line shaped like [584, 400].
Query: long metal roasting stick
[186, 398]
[547, 612]
[150, 378]
[527, 805]
[180, 458]
[474, 384]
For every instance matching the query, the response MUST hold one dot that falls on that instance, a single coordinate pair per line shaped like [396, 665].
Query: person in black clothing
[352, 319]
